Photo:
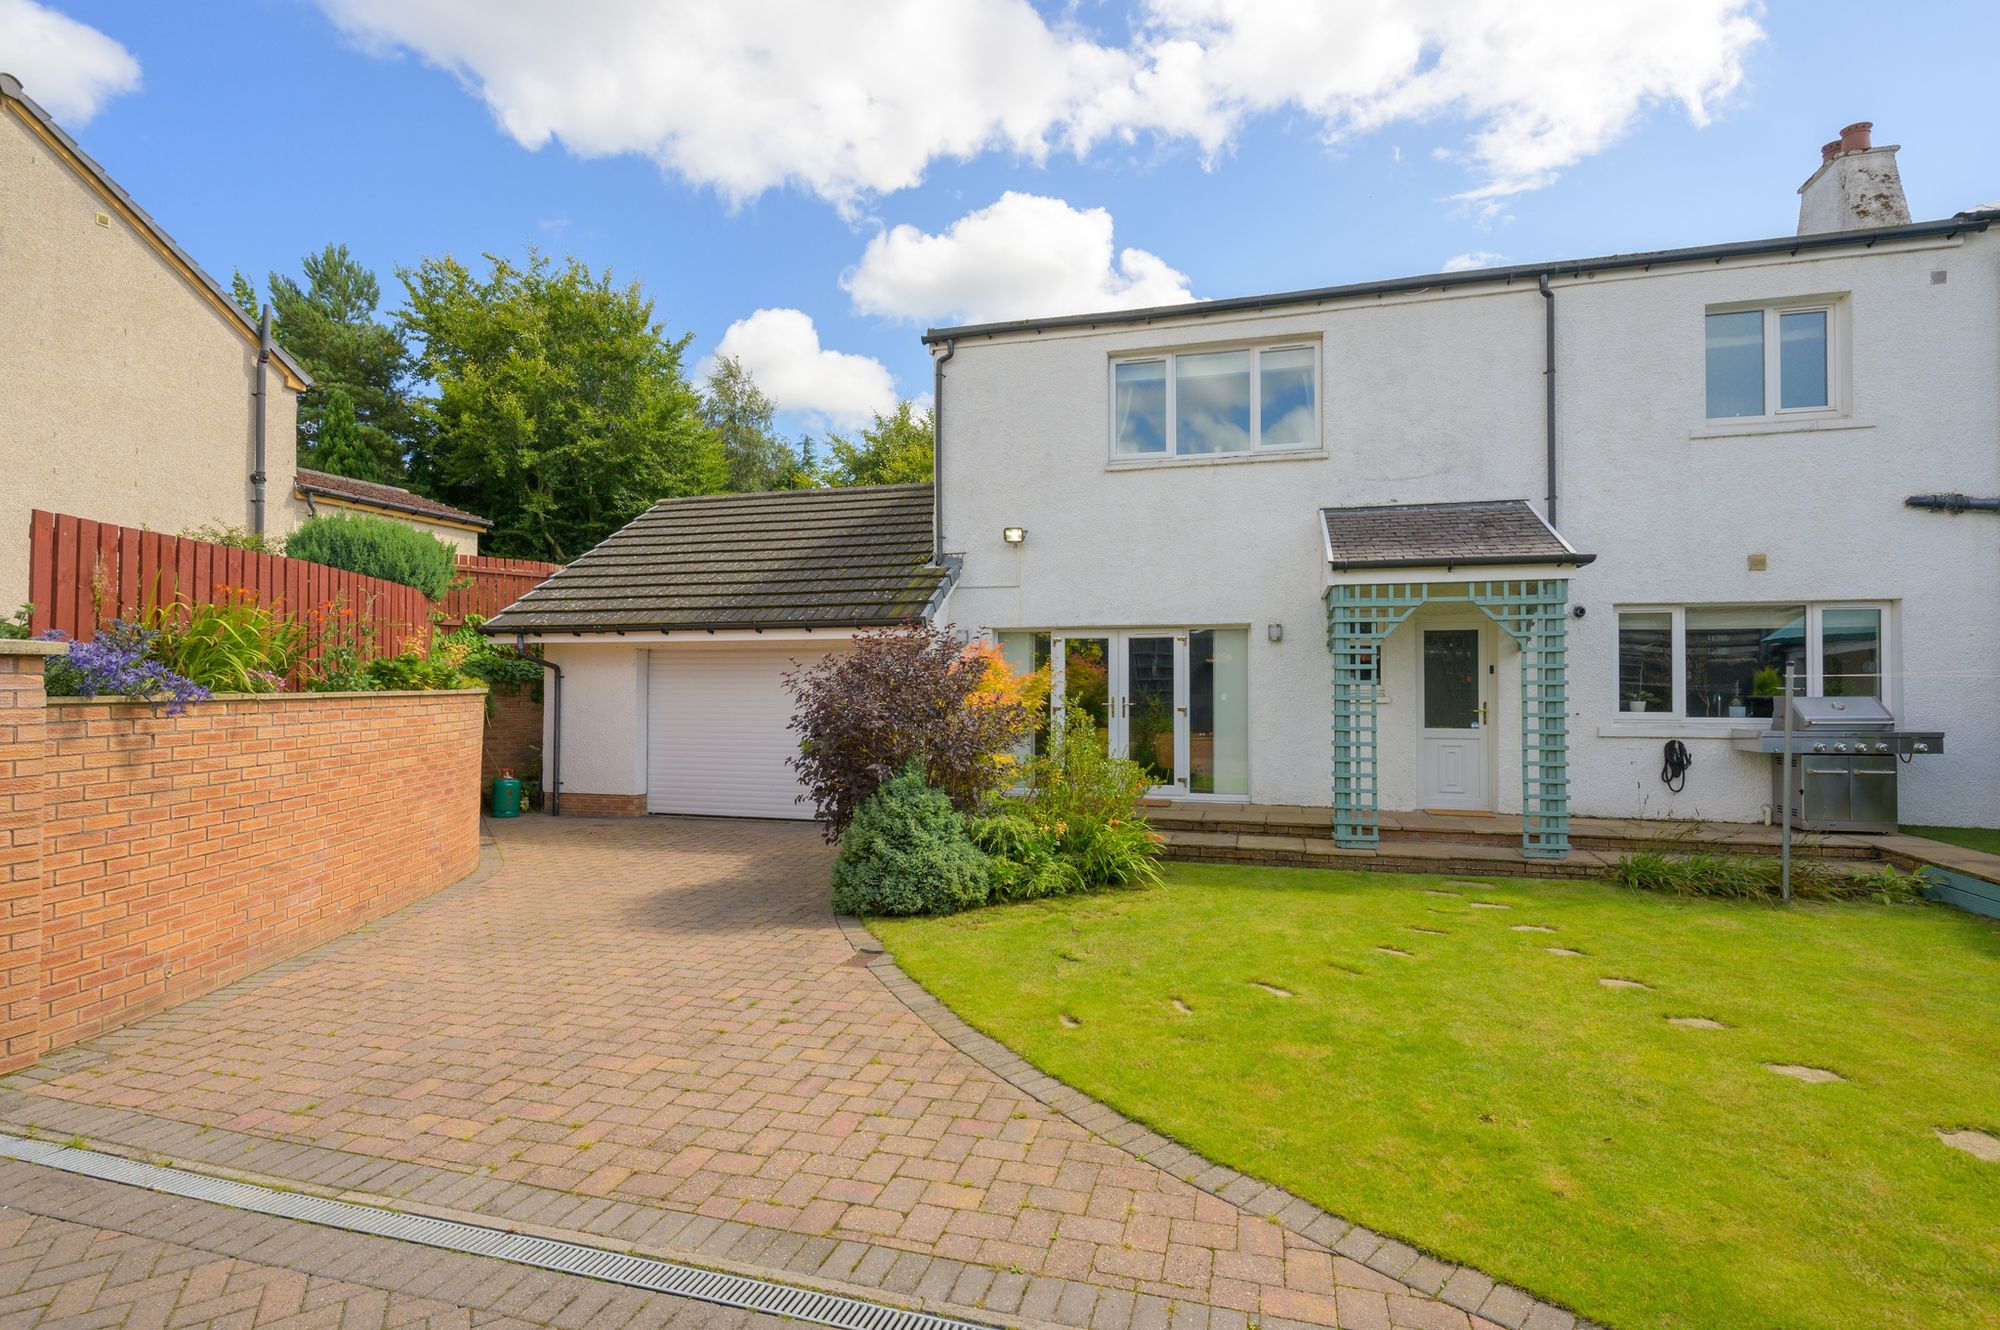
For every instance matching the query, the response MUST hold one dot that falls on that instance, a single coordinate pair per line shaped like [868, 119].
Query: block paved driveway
[653, 1031]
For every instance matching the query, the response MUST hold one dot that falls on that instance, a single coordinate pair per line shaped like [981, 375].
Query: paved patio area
[653, 1032]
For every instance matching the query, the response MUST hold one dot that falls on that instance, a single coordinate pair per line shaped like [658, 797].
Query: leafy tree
[328, 325]
[743, 420]
[561, 411]
[340, 447]
[898, 449]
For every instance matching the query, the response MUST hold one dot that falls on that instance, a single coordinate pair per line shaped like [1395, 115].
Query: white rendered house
[1488, 540]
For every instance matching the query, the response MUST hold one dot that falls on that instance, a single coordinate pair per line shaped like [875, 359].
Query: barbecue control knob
[1923, 747]
[1840, 748]
[1881, 748]
[1819, 748]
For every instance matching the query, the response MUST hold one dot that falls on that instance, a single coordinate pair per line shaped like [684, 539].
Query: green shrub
[232, 645]
[1076, 827]
[906, 851]
[485, 659]
[411, 672]
[376, 547]
[16, 624]
[1758, 877]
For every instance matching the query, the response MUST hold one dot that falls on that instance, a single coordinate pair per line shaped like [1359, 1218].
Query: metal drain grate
[568, 1258]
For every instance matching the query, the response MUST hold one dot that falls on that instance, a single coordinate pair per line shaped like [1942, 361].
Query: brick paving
[77, 1253]
[655, 1028]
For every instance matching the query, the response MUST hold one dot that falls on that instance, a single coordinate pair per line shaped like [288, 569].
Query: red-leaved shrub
[904, 693]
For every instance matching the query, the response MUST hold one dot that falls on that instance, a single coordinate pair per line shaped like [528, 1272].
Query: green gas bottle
[506, 796]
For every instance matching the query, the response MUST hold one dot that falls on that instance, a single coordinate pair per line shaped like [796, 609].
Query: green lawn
[1972, 838]
[1495, 1104]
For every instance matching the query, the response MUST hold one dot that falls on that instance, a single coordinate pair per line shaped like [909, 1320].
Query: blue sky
[815, 164]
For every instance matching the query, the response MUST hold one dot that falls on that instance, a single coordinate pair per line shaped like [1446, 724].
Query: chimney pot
[1855, 137]
[1829, 151]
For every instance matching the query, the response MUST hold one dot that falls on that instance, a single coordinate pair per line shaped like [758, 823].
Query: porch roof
[1444, 535]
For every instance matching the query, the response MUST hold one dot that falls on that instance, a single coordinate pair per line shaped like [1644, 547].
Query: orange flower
[346, 611]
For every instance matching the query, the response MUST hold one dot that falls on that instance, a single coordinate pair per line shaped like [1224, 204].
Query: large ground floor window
[1174, 700]
[1728, 662]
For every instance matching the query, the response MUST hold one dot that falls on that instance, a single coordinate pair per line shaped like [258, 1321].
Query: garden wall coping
[15, 646]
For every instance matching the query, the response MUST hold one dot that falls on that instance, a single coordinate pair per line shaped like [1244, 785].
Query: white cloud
[851, 98]
[1477, 258]
[72, 69]
[1024, 256]
[780, 349]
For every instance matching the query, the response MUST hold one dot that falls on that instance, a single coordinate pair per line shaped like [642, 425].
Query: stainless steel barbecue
[1846, 754]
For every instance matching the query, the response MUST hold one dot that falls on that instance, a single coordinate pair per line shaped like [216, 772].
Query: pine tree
[339, 446]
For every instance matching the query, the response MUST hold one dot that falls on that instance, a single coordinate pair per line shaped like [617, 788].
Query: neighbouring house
[132, 388]
[1484, 541]
[323, 492]
[673, 637]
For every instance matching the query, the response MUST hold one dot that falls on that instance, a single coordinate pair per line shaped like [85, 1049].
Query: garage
[718, 741]
[669, 641]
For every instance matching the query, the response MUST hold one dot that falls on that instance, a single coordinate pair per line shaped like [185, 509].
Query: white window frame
[1258, 447]
[1815, 647]
[1835, 309]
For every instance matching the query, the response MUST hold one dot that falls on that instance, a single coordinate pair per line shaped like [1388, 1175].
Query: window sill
[1667, 727]
[1749, 427]
[1218, 459]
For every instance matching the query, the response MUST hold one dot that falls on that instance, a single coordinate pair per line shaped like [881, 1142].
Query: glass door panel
[1451, 679]
[1084, 686]
[1148, 708]
[1218, 707]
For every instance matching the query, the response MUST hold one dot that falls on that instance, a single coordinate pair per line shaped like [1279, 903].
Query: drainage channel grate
[569, 1258]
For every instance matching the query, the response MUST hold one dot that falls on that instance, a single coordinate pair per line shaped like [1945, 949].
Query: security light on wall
[1275, 631]
[1014, 535]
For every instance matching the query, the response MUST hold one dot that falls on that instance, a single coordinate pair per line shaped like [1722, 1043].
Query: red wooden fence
[496, 584]
[76, 566]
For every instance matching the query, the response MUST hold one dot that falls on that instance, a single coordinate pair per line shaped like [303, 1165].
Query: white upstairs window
[1241, 401]
[1773, 361]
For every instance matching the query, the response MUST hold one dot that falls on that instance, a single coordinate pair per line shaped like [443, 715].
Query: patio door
[1453, 735]
[1174, 700]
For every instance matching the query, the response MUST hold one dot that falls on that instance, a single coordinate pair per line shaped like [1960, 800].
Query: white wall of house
[603, 717]
[1437, 396]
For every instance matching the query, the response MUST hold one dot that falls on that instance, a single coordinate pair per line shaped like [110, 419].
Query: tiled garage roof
[1403, 535]
[851, 557]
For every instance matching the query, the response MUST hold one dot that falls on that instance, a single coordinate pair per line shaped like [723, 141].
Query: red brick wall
[575, 803]
[513, 734]
[21, 757]
[181, 853]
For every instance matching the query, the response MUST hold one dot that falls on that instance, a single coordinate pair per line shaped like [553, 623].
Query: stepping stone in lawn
[1696, 1023]
[1490, 905]
[1625, 983]
[1435, 891]
[1533, 928]
[1183, 1008]
[1562, 951]
[1434, 932]
[1394, 951]
[1348, 969]
[1069, 1022]
[1978, 1144]
[1272, 989]
[1466, 886]
[1812, 1075]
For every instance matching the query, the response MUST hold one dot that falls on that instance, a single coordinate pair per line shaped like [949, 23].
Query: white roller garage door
[717, 736]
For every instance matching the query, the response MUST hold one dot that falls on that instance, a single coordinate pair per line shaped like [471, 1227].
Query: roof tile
[1443, 534]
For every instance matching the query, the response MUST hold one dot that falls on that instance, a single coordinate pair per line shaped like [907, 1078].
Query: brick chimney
[1857, 186]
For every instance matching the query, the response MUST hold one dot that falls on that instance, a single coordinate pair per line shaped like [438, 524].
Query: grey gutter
[1471, 561]
[261, 392]
[10, 90]
[497, 628]
[308, 488]
[1971, 222]
[1952, 503]
[937, 449]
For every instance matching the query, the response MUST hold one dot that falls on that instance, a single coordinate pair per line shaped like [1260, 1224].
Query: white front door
[1452, 754]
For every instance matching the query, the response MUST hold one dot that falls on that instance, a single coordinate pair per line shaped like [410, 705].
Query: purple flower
[116, 662]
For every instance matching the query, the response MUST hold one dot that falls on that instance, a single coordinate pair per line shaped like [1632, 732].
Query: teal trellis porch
[1534, 612]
